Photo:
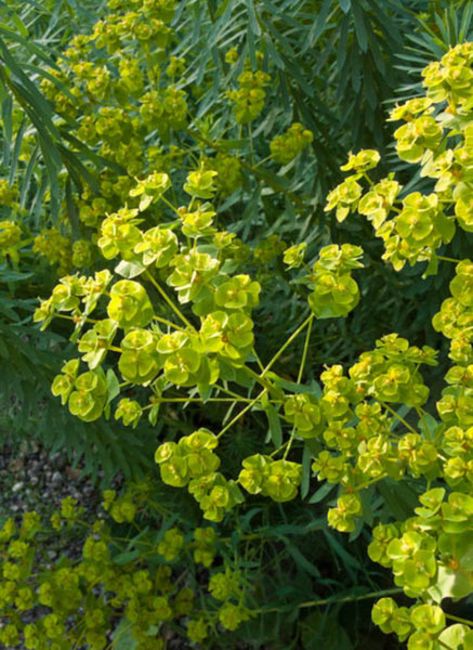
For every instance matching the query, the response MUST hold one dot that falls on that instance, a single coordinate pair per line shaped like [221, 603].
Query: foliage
[215, 306]
[49, 162]
[175, 574]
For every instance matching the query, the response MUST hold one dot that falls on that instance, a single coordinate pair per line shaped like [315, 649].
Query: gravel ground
[33, 480]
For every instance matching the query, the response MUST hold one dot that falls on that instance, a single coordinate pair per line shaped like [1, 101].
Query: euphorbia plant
[180, 327]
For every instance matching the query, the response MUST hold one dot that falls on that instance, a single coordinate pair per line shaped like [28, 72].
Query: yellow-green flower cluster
[10, 238]
[8, 194]
[82, 253]
[455, 318]
[55, 247]
[185, 355]
[451, 80]
[436, 134]
[335, 293]
[289, 145]
[177, 325]
[192, 463]
[248, 100]
[428, 555]
[229, 175]
[278, 479]
[89, 596]
[355, 421]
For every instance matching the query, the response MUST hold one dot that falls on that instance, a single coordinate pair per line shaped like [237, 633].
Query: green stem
[265, 383]
[306, 349]
[197, 400]
[267, 368]
[276, 451]
[448, 259]
[250, 140]
[284, 347]
[258, 360]
[75, 319]
[263, 161]
[242, 413]
[227, 391]
[397, 416]
[169, 204]
[373, 481]
[458, 619]
[330, 601]
[289, 444]
[164, 321]
[168, 300]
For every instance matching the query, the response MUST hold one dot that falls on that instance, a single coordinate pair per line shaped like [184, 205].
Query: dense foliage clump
[200, 310]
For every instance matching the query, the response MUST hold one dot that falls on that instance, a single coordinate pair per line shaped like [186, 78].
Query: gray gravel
[31, 479]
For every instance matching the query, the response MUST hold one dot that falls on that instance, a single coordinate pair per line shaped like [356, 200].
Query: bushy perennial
[176, 318]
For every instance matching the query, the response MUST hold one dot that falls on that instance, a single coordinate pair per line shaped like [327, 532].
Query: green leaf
[126, 557]
[113, 385]
[428, 425]
[153, 414]
[320, 23]
[313, 388]
[451, 584]
[129, 270]
[348, 560]
[454, 636]
[122, 637]
[306, 471]
[432, 267]
[399, 497]
[274, 425]
[320, 494]
[360, 27]
[320, 630]
[301, 561]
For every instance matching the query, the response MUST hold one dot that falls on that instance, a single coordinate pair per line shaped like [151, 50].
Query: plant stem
[306, 349]
[250, 140]
[259, 378]
[289, 444]
[199, 400]
[227, 391]
[330, 601]
[465, 621]
[448, 259]
[276, 451]
[266, 369]
[168, 300]
[349, 599]
[282, 349]
[169, 204]
[242, 413]
[258, 360]
[164, 321]
[75, 319]
[396, 415]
